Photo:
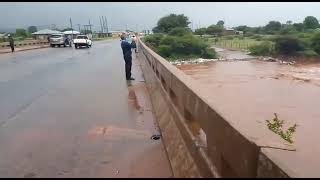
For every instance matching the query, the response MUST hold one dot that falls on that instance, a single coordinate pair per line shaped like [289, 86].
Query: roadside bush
[164, 50]
[306, 41]
[229, 37]
[205, 39]
[272, 38]
[248, 34]
[179, 31]
[287, 30]
[307, 53]
[18, 38]
[265, 48]
[256, 36]
[175, 47]
[288, 45]
[209, 53]
[153, 40]
[315, 43]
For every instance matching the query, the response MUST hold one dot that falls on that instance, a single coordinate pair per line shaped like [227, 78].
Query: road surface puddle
[132, 99]
[115, 133]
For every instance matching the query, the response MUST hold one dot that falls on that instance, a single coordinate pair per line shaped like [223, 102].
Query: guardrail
[210, 145]
[19, 44]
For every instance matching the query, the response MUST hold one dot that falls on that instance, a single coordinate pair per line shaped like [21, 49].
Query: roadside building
[71, 34]
[44, 34]
[117, 33]
[239, 32]
[228, 31]
[103, 34]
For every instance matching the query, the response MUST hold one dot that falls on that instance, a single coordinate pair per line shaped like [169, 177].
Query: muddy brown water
[252, 91]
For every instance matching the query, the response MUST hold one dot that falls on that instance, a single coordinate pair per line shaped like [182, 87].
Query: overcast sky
[144, 15]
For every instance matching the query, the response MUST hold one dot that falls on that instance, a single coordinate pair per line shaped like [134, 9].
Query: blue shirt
[126, 48]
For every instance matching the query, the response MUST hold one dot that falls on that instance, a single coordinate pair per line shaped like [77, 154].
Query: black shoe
[130, 79]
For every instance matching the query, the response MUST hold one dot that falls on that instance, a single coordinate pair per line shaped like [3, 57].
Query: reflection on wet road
[70, 113]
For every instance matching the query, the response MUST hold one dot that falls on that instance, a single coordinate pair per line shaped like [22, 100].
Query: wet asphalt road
[68, 112]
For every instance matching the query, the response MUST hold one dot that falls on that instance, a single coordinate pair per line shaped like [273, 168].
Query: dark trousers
[128, 61]
[12, 48]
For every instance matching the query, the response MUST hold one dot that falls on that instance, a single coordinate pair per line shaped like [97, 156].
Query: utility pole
[106, 24]
[79, 25]
[90, 26]
[85, 29]
[101, 24]
[71, 29]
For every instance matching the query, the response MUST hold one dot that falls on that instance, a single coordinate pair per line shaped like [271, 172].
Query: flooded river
[250, 92]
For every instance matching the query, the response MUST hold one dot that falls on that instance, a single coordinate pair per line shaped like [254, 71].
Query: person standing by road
[134, 43]
[11, 43]
[127, 55]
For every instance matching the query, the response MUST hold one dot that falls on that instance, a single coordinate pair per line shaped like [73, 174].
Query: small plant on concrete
[276, 125]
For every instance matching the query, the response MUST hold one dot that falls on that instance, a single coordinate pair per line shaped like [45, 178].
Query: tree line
[173, 39]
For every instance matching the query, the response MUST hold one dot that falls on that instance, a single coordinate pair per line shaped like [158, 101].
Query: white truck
[82, 40]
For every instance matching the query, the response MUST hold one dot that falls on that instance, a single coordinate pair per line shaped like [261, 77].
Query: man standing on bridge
[127, 55]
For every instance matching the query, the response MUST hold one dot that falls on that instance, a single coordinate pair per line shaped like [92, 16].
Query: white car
[82, 40]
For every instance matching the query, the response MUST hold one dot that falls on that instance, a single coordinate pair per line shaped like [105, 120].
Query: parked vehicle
[82, 40]
[58, 40]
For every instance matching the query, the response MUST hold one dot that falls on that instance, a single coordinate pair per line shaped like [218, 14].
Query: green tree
[175, 47]
[200, 31]
[288, 45]
[32, 29]
[257, 30]
[265, 48]
[215, 30]
[315, 43]
[289, 22]
[272, 27]
[167, 23]
[220, 23]
[311, 22]
[298, 26]
[243, 28]
[154, 40]
[179, 31]
[288, 29]
[21, 33]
